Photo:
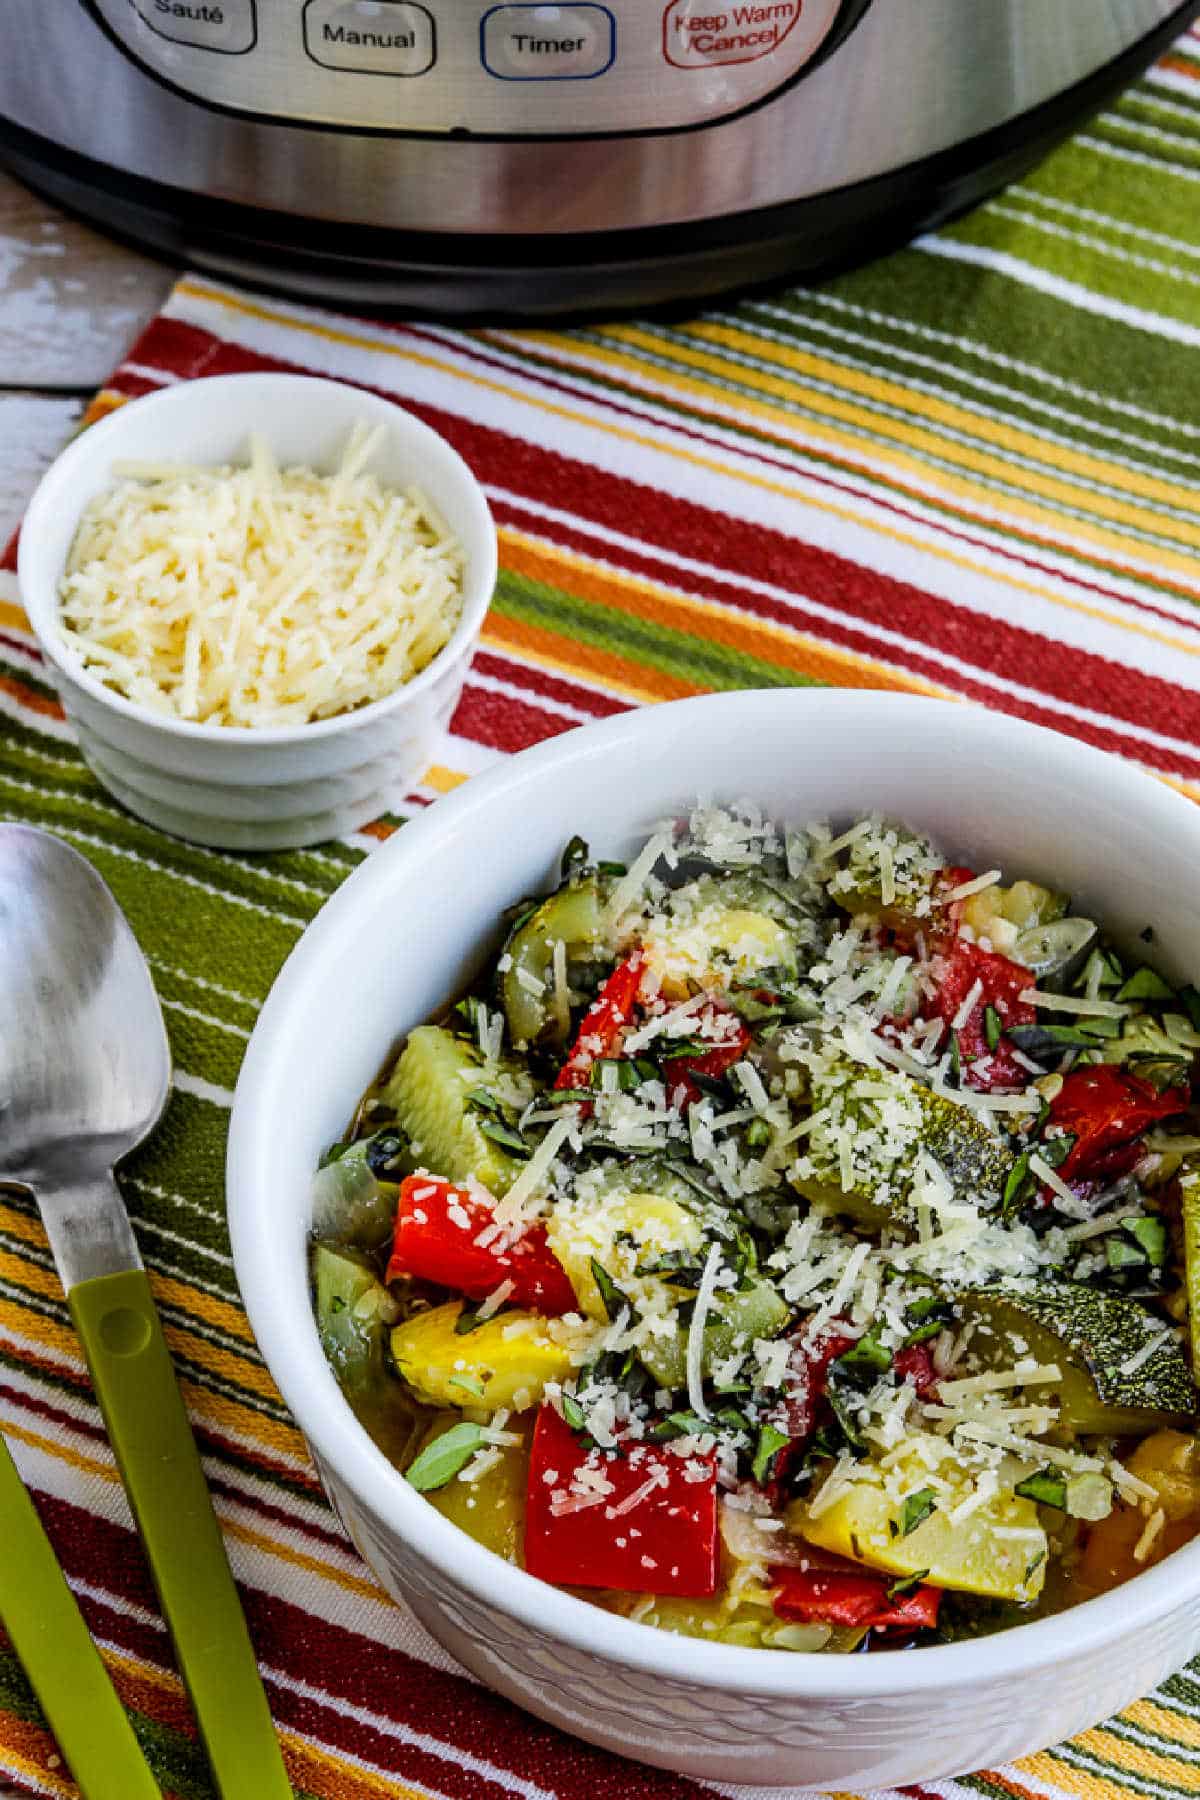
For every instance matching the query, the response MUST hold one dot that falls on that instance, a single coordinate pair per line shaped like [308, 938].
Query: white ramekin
[402, 935]
[280, 786]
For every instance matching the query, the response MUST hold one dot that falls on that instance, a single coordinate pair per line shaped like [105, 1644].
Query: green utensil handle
[48, 1633]
[148, 1427]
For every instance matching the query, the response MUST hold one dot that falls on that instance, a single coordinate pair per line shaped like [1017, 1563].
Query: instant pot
[545, 158]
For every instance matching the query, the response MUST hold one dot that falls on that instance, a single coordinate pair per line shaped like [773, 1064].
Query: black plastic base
[596, 274]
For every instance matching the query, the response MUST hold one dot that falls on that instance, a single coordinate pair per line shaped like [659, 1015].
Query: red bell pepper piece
[842, 1597]
[916, 1365]
[809, 1368]
[945, 882]
[666, 1542]
[1106, 1110]
[437, 1226]
[1001, 984]
[604, 1024]
[736, 1039]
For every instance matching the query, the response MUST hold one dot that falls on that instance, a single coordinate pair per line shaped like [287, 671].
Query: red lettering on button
[695, 39]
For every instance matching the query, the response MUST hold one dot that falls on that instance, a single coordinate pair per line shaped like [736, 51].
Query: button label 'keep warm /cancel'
[699, 35]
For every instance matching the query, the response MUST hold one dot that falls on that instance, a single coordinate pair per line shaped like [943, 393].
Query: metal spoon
[84, 1074]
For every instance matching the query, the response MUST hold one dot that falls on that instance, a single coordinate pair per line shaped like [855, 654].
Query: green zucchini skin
[757, 1313]
[1091, 1334]
[977, 1163]
[575, 916]
[428, 1089]
[354, 1311]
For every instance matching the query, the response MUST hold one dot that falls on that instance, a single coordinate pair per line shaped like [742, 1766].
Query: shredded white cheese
[256, 596]
[975, 886]
[695, 1343]
[1072, 1003]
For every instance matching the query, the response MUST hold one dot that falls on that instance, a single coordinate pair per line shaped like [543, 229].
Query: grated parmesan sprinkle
[256, 596]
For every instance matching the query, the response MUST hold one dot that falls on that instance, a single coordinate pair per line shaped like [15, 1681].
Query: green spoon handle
[148, 1427]
[48, 1633]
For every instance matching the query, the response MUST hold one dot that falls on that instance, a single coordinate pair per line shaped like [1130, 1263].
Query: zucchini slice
[354, 1312]
[506, 1361]
[491, 1509]
[429, 1090]
[1093, 1336]
[575, 916]
[759, 1312]
[999, 1551]
[883, 1158]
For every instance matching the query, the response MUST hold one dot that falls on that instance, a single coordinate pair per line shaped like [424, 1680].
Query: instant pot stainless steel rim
[476, 271]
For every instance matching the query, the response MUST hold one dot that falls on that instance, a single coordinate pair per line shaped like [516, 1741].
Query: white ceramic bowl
[403, 934]
[280, 786]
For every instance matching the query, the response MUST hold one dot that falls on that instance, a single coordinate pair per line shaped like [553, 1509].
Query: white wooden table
[71, 303]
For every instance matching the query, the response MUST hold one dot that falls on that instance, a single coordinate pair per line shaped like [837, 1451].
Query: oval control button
[548, 43]
[227, 26]
[372, 37]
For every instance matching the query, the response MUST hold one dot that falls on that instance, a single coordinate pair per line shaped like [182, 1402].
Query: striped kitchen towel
[971, 470]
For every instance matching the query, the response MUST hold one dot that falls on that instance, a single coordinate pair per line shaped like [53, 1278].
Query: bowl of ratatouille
[721, 1197]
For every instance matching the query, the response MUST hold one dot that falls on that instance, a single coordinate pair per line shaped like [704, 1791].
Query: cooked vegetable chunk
[430, 1089]
[1122, 1369]
[667, 1541]
[574, 917]
[489, 1506]
[505, 1362]
[873, 1124]
[736, 1320]
[623, 1233]
[445, 1235]
[905, 1525]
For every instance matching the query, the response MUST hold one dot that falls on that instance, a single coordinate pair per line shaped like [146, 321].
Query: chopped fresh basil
[615, 1302]
[1150, 1233]
[1019, 1186]
[441, 1461]
[770, 1443]
[845, 1401]
[1120, 1254]
[505, 1136]
[482, 1101]
[906, 1584]
[467, 1320]
[993, 1030]
[1047, 1487]
[334, 1154]
[1055, 1151]
[758, 1134]
[868, 1355]
[916, 1508]
[625, 1078]
[1145, 984]
[469, 1384]
[680, 1424]
[955, 1060]
[573, 1413]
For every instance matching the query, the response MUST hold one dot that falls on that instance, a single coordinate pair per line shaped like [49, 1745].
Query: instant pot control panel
[449, 67]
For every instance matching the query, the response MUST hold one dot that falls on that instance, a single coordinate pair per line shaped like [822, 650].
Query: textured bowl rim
[54, 493]
[286, 1332]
